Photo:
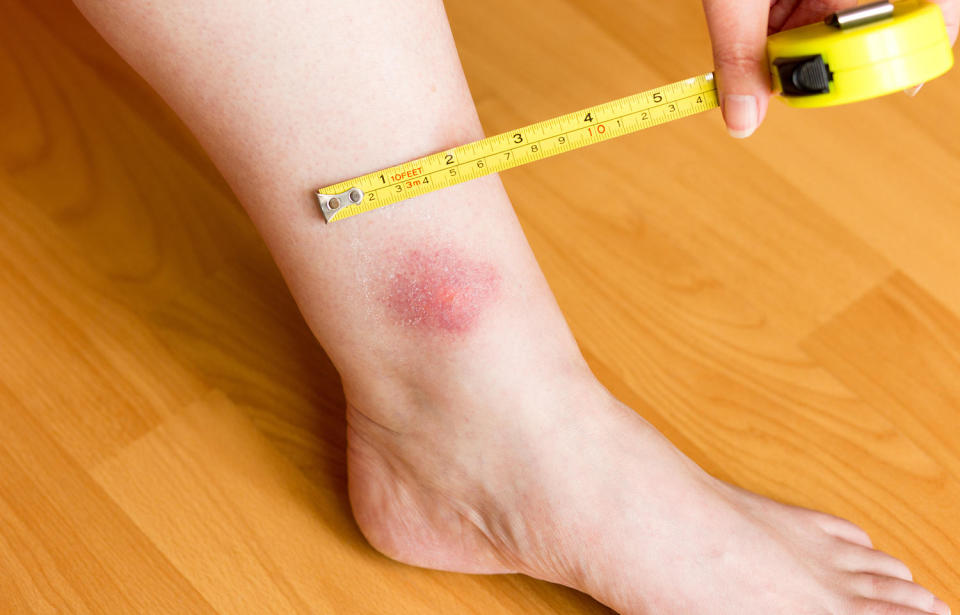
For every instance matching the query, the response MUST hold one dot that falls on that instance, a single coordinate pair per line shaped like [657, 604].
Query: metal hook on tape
[331, 204]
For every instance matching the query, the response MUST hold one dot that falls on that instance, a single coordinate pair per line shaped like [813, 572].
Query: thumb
[738, 30]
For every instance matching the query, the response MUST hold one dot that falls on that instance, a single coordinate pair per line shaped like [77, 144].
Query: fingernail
[913, 91]
[741, 115]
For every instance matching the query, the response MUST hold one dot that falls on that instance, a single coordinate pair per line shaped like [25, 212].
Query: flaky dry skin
[438, 290]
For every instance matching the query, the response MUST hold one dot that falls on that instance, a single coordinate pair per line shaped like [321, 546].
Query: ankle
[469, 387]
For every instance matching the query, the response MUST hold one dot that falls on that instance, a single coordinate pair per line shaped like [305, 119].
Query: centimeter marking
[523, 145]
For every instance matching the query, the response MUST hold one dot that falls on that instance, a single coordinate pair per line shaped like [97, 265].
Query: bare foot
[562, 482]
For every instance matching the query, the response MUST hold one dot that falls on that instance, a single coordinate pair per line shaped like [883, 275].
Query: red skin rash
[440, 290]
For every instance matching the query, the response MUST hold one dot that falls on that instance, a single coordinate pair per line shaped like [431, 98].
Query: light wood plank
[79, 348]
[65, 546]
[899, 349]
[134, 193]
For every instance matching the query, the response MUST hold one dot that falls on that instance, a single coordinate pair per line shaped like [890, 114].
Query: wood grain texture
[785, 309]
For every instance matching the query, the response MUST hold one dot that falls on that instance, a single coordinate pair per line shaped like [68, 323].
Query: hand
[739, 29]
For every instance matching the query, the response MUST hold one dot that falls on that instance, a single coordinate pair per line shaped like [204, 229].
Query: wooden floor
[786, 309]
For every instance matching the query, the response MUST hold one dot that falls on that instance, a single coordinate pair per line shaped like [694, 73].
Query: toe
[846, 530]
[856, 558]
[868, 606]
[897, 591]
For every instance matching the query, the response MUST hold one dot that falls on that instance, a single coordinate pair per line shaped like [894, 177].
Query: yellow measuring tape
[518, 147]
[861, 53]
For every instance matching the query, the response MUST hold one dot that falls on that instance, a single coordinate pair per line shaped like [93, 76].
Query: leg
[478, 439]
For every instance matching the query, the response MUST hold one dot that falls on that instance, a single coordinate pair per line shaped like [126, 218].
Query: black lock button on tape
[804, 76]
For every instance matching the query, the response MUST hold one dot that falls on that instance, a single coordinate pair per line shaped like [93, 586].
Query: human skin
[738, 31]
[478, 439]
[438, 290]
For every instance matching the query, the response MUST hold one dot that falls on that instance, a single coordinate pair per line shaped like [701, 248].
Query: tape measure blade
[530, 143]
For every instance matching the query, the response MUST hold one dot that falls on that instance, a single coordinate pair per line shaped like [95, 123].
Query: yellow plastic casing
[871, 60]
